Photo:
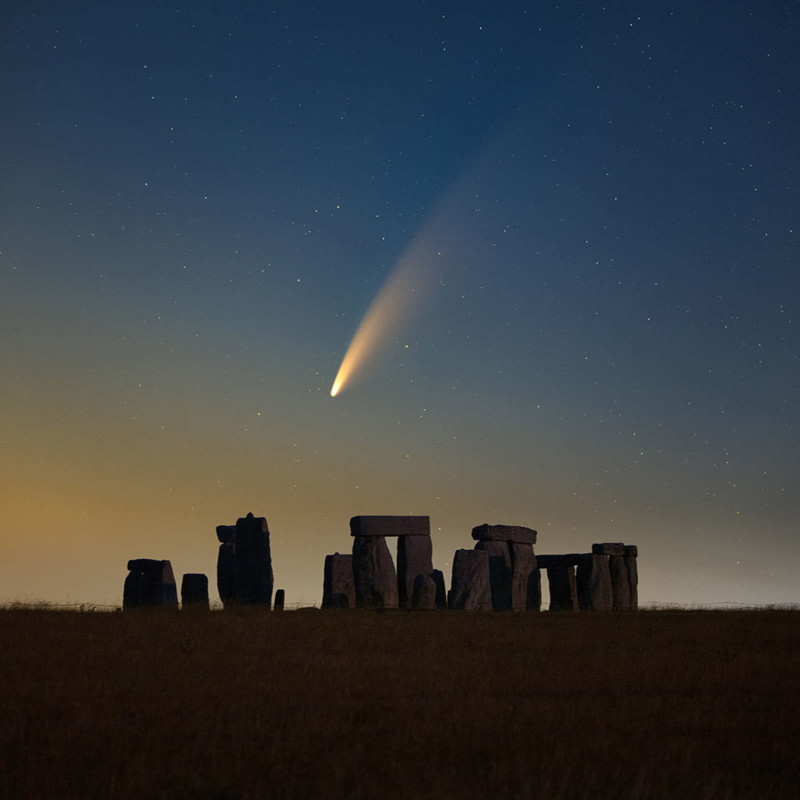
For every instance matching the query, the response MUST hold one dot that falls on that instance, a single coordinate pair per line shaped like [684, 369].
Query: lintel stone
[504, 533]
[390, 526]
[609, 549]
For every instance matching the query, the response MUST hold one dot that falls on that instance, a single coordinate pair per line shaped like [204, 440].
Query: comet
[401, 296]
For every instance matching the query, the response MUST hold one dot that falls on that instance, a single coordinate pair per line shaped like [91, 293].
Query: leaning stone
[280, 597]
[423, 597]
[194, 591]
[499, 557]
[390, 526]
[338, 588]
[526, 589]
[594, 584]
[414, 557]
[609, 549]
[563, 589]
[470, 589]
[441, 595]
[374, 575]
[504, 533]
[620, 583]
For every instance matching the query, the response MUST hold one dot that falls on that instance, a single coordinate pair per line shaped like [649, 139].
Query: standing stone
[441, 595]
[390, 526]
[563, 588]
[499, 556]
[594, 584]
[423, 597]
[226, 572]
[414, 558]
[504, 533]
[526, 589]
[631, 553]
[620, 583]
[374, 573]
[280, 597]
[194, 591]
[470, 588]
[150, 583]
[338, 588]
[254, 578]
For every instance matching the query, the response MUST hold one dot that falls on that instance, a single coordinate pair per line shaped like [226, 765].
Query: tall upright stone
[499, 555]
[631, 554]
[561, 580]
[150, 582]
[594, 583]
[470, 588]
[526, 586]
[338, 587]
[620, 583]
[414, 558]
[194, 591]
[441, 594]
[280, 599]
[244, 563]
[374, 574]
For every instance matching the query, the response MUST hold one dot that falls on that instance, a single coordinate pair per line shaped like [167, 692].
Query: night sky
[588, 213]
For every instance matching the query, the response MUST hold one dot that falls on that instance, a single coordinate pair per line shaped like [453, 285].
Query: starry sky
[592, 209]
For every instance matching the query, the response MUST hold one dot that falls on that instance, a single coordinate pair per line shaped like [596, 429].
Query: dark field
[678, 704]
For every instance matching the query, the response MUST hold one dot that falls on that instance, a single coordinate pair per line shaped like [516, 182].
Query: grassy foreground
[659, 704]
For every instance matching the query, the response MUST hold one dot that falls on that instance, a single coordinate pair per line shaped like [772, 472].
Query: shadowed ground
[360, 704]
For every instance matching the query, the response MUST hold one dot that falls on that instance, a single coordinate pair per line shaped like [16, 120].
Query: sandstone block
[226, 533]
[149, 583]
[423, 596]
[594, 584]
[620, 583]
[390, 526]
[499, 556]
[563, 588]
[194, 590]
[226, 573]
[374, 574]
[526, 588]
[470, 589]
[280, 597]
[254, 578]
[338, 587]
[441, 595]
[633, 579]
[631, 550]
[414, 558]
[504, 533]
[609, 549]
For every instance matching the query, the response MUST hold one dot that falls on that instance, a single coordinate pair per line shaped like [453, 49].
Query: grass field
[655, 704]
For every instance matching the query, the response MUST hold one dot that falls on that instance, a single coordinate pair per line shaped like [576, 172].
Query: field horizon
[243, 704]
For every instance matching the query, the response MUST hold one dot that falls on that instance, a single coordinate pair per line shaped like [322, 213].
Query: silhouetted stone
[631, 552]
[226, 533]
[594, 584]
[338, 587]
[414, 558]
[423, 596]
[149, 583]
[244, 563]
[526, 588]
[504, 533]
[470, 588]
[194, 591]
[499, 556]
[620, 584]
[390, 526]
[563, 588]
[441, 594]
[280, 597]
[609, 549]
[374, 574]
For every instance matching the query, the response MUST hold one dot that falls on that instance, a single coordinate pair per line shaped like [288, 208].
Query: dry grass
[657, 704]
